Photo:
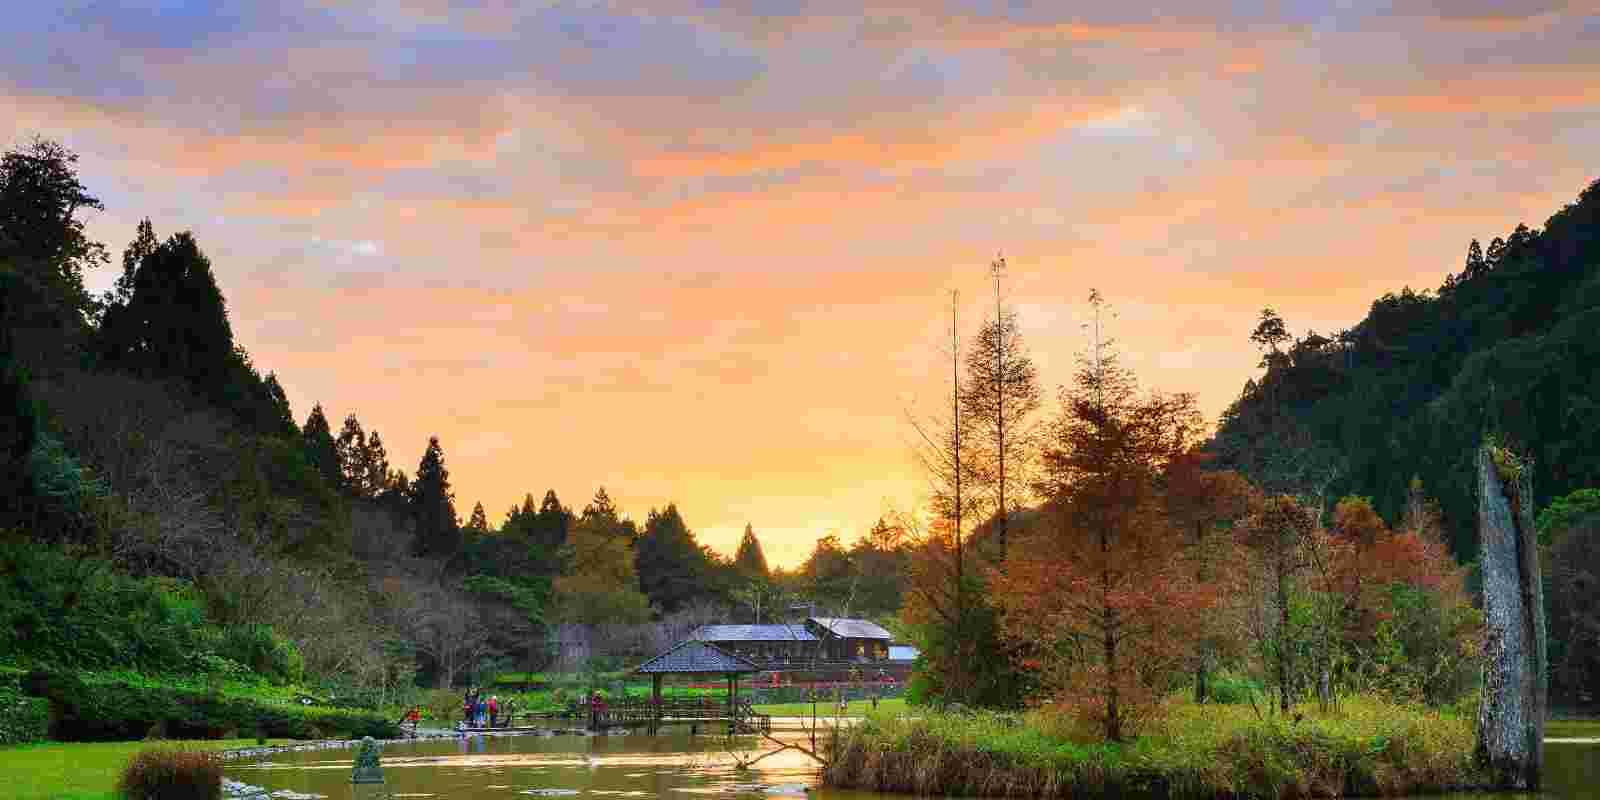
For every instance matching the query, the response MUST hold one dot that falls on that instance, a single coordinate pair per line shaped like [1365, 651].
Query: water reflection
[674, 764]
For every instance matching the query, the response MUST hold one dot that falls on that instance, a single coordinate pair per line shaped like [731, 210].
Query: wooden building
[818, 641]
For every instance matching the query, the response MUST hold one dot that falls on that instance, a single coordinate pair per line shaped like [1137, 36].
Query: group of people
[484, 712]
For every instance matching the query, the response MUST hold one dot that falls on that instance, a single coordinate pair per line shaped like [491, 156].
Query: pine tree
[321, 450]
[478, 524]
[671, 566]
[376, 460]
[278, 402]
[749, 560]
[352, 450]
[167, 317]
[433, 505]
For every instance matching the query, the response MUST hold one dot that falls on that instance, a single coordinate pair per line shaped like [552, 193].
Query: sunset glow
[701, 253]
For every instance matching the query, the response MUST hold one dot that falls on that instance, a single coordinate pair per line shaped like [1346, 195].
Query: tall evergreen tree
[672, 568]
[351, 447]
[321, 450]
[376, 460]
[434, 506]
[749, 559]
[478, 524]
[44, 249]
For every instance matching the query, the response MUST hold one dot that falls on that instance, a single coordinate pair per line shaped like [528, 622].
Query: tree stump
[1515, 683]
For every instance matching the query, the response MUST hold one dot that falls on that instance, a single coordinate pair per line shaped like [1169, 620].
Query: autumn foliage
[1107, 584]
[1146, 569]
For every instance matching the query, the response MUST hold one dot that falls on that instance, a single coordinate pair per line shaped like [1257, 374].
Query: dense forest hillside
[162, 511]
[1506, 348]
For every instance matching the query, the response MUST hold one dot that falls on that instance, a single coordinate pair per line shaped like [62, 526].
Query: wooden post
[1515, 683]
[655, 703]
[733, 709]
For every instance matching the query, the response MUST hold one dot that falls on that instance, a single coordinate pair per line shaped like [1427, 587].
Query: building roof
[692, 656]
[902, 652]
[754, 633]
[852, 628]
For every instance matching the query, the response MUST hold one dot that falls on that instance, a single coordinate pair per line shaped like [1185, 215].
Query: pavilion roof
[692, 656]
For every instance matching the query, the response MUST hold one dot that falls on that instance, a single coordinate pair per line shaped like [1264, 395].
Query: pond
[673, 765]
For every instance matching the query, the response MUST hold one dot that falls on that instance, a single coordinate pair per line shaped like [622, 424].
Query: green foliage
[165, 774]
[1231, 689]
[77, 612]
[1366, 747]
[125, 710]
[264, 652]
[1411, 389]
[433, 505]
[172, 321]
[43, 253]
[995, 680]
[1566, 512]
[673, 568]
[23, 719]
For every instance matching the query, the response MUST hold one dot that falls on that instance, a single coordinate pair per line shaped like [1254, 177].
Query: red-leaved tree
[1103, 585]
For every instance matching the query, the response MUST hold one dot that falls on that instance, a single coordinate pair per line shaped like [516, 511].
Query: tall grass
[1365, 747]
[163, 774]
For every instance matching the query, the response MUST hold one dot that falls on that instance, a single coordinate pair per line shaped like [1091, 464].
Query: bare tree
[940, 590]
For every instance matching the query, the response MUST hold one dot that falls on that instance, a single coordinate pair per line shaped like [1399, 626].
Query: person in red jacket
[494, 711]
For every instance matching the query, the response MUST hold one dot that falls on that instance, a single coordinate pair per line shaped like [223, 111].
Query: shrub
[124, 711]
[1233, 689]
[23, 719]
[160, 774]
[261, 649]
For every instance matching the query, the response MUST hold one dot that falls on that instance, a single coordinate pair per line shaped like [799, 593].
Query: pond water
[673, 765]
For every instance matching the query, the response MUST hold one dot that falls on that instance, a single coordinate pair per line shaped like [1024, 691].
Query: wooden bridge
[646, 714]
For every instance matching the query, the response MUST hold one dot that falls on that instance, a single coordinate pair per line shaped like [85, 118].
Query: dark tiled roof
[694, 656]
[852, 628]
[754, 633]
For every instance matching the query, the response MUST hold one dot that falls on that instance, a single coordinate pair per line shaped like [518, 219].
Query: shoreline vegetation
[1364, 747]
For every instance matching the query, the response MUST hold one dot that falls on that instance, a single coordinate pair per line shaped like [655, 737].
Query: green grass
[857, 708]
[1572, 729]
[84, 771]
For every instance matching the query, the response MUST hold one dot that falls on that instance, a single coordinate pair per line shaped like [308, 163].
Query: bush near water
[162, 774]
[1365, 747]
[89, 712]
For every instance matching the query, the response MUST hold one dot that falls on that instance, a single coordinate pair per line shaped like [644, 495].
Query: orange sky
[701, 253]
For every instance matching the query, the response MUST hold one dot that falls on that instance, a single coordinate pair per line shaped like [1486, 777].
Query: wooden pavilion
[695, 657]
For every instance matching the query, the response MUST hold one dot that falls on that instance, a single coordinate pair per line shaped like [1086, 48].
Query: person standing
[494, 711]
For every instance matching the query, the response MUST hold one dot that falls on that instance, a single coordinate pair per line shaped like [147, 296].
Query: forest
[240, 542]
[165, 512]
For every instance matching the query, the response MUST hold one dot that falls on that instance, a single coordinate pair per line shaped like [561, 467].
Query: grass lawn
[1572, 729]
[83, 770]
[828, 709]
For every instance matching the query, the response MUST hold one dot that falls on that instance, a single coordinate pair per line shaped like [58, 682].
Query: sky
[703, 252]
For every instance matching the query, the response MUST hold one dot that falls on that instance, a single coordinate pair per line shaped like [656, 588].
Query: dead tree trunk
[1511, 715]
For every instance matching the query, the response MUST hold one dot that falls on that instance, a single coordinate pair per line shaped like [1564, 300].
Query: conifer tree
[433, 505]
[376, 461]
[478, 524]
[749, 559]
[321, 450]
[352, 449]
